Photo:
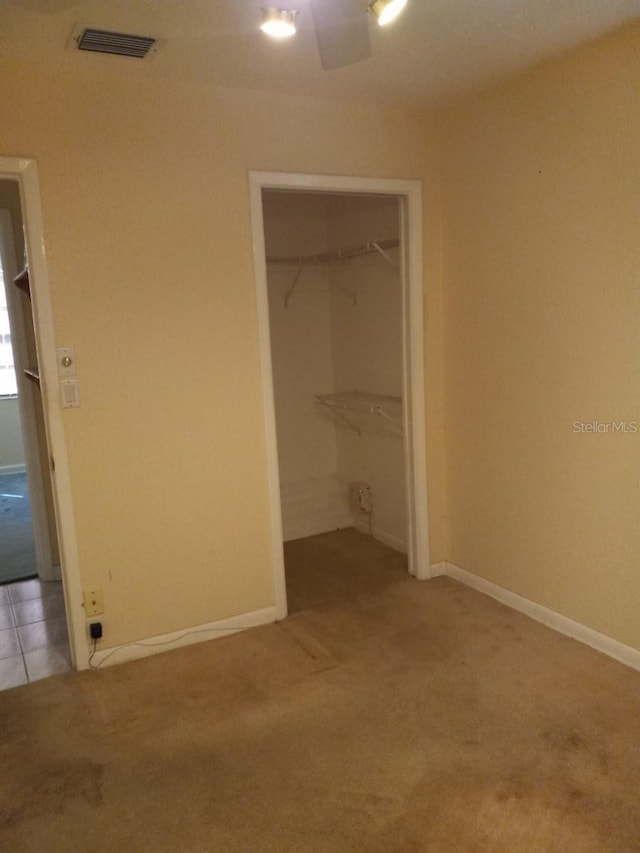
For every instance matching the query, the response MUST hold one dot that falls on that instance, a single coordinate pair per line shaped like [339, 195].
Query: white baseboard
[312, 506]
[223, 627]
[562, 624]
[303, 527]
[166, 642]
[438, 569]
[12, 469]
[383, 536]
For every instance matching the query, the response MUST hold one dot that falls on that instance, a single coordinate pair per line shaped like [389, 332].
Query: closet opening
[340, 309]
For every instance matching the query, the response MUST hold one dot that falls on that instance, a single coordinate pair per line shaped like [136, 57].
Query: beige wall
[148, 234]
[542, 316]
[367, 356]
[367, 335]
[312, 498]
[10, 199]
[296, 224]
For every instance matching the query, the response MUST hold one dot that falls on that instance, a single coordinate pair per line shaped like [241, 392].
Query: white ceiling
[438, 48]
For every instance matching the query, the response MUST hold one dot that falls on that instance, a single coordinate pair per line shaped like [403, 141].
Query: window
[8, 386]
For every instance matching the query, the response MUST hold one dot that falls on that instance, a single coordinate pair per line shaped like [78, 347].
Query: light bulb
[387, 10]
[278, 23]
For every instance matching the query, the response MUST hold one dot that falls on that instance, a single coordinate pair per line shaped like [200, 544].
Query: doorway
[17, 546]
[30, 546]
[34, 641]
[31, 613]
[338, 264]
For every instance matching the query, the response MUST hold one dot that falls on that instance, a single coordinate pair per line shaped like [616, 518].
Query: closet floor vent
[116, 44]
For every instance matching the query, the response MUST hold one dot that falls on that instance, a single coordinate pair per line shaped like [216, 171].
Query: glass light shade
[387, 10]
[278, 23]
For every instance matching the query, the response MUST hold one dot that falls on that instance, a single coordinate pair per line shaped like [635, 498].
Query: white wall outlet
[360, 497]
[93, 602]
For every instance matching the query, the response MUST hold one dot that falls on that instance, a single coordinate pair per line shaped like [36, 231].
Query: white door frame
[25, 171]
[410, 195]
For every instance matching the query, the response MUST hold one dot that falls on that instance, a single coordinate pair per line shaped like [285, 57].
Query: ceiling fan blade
[342, 32]
[46, 7]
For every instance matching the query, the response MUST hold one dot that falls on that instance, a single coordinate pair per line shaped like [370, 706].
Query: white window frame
[4, 309]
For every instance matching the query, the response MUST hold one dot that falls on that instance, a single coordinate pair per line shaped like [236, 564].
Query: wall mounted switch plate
[69, 396]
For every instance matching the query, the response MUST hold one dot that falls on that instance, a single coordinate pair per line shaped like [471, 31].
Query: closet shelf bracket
[293, 284]
[384, 254]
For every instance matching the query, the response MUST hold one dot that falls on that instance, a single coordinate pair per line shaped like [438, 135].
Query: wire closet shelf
[366, 414]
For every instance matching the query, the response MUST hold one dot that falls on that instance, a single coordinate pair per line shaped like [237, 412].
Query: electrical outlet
[365, 499]
[93, 602]
[360, 498]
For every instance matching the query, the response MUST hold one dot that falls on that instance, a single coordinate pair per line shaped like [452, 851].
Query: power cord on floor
[93, 651]
[144, 645]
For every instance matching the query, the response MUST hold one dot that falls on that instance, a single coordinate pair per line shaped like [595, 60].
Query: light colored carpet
[418, 717]
[333, 568]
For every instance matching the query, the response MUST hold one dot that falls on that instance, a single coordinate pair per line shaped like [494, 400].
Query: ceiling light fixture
[278, 23]
[387, 10]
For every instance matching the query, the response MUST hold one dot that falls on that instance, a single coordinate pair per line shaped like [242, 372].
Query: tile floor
[33, 632]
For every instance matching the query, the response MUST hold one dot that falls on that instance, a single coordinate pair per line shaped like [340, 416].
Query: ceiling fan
[341, 27]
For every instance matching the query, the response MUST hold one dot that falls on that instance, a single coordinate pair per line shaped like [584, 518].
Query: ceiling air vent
[120, 44]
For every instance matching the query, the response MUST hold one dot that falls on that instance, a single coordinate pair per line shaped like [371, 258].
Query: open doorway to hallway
[17, 546]
[33, 629]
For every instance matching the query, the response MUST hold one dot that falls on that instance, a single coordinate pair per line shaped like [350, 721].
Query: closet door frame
[409, 194]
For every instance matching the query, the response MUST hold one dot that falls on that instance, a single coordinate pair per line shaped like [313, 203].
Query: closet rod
[369, 248]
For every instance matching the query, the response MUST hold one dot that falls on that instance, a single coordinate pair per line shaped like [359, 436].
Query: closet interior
[334, 275]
